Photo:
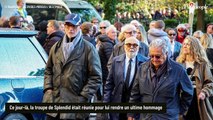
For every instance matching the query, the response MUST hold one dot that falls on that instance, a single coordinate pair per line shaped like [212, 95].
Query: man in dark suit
[122, 74]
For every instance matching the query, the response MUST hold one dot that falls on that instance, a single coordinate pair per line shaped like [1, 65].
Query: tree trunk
[200, 15]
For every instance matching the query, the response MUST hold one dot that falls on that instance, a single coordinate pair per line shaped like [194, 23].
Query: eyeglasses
[172, 34]
[155, 56]
[181, 30]
[129, 45]
[131, 32]
[102, 27]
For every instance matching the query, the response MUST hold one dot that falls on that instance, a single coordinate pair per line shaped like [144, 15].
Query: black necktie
[128, 74]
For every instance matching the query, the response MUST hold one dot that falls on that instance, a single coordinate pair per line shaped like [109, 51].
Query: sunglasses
[102, 27]
[172, 34]
[129, 45]
[181, 30]
[131, 32]
[155, 56]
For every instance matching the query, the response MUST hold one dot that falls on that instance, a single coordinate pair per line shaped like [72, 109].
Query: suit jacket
[174, 88]
[177, 48]
[115, 81]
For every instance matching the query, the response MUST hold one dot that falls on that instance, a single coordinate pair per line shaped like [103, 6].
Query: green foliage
[172, 23]
[110, 10]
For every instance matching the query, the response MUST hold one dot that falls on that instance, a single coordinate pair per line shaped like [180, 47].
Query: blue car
[22, 64]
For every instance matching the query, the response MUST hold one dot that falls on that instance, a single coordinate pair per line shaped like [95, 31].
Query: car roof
[77, 4]
[53, 2]
[14, 32]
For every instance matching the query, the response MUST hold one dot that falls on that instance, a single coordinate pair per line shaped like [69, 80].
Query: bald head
[132, 40]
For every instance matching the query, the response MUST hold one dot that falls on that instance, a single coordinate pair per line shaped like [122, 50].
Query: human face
[130, 33]
[186, 47]
[103, 28]
[181, 31]
[138, 34]
[172, 35]
[112, 34]
[62, 27]
[131, 48]
[157, 56]
[95, 22]
[21, 4]
[71, 30]
[50, 29]
[210, 29]
[197, 36]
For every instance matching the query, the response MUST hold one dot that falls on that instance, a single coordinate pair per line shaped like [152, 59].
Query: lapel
[120, 67]
[59, 53]
[146, 74]
[196, 72]
[121, 49]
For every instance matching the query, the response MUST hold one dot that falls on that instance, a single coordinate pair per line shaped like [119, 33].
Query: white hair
[181, 26]
[127, 27]
[159, 43]
[105, 22]
[111, 27]
[133, 22]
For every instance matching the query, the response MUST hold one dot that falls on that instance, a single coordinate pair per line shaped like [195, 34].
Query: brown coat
[204, 83]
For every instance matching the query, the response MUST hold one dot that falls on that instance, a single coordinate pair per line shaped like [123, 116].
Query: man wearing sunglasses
[129, 30]
[73, 71]
[162, 80]
[121, 76]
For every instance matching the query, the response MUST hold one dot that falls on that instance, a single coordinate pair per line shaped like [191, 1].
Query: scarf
[156, 75]
[68, 47]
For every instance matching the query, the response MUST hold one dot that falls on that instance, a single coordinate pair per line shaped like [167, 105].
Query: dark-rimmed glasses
[131, 32]
[155, 56]
[171, 34]
[102, 27]
[129, 45]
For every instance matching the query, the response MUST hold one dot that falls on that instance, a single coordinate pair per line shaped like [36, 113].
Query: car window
[46, 12]
[86, 13]
[19, 57]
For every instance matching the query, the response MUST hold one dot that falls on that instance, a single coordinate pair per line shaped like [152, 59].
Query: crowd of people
[124, 63]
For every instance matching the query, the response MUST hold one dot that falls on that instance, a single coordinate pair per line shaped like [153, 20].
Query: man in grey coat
[73, 71]
[162, 80]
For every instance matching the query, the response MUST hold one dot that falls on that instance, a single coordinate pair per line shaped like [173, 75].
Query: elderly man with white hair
[162, 80]
[129, 30]
[121, 76]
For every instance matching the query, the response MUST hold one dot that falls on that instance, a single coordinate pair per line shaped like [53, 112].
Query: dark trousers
[193, 113]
